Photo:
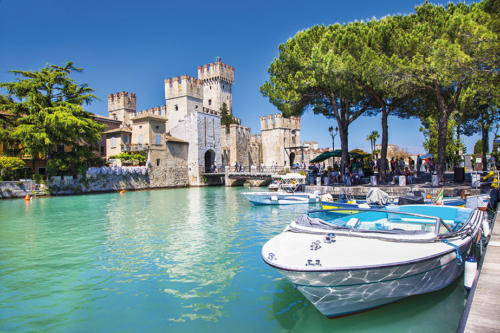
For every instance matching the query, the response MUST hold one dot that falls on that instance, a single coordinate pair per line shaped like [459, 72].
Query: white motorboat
[281, 198]
[288, 181]
[289, 192]
[346, 263]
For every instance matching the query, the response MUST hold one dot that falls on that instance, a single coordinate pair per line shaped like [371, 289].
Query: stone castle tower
[121, 106]
[280, 139]
[217, 79]
[193, 111]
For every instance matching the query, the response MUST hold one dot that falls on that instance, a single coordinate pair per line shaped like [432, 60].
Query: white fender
[486, 226]
[470, 272]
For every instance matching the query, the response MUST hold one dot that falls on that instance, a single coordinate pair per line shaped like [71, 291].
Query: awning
[326, 155]
[355, 153]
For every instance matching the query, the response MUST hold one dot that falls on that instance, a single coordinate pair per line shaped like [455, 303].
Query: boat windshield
[401, 219]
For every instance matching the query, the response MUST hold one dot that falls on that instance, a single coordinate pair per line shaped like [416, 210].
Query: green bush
[11, 167]
[129, 158]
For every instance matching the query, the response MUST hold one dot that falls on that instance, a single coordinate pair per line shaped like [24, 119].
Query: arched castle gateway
[187, 128]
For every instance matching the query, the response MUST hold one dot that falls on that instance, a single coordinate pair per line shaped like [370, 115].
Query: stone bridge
[232, 177]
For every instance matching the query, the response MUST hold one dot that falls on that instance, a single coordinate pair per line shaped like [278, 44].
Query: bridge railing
[262, 169]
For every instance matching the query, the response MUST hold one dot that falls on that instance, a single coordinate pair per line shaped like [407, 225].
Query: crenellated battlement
[278, 121]
[216, 70]
[121, 100]
[183, 86]
[159, 111]
[240, 127]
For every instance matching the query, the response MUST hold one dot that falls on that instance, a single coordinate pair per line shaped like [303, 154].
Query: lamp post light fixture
[333, 133]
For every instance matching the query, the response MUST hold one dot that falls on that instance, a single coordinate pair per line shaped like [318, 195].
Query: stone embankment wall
[161, 177]
[17, 189]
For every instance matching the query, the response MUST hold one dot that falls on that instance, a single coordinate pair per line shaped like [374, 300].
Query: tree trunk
[344, 144]
[442, 131]
[444, 115]
[485, 138]
[342, 117]
[385, 142]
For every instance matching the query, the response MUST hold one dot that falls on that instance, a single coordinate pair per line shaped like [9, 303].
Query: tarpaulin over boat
[377, 197]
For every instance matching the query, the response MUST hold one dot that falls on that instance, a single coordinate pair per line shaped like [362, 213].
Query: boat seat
[352, 223]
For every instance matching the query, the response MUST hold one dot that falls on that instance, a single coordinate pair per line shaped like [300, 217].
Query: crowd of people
[352, 174]
[357, 169]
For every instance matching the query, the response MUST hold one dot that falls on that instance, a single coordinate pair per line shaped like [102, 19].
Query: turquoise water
[178, 260]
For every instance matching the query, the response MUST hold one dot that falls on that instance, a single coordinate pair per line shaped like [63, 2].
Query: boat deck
[484, 314]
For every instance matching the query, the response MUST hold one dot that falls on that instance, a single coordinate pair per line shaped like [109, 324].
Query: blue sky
[134, 45]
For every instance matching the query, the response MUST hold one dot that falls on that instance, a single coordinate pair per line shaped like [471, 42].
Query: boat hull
[273, 198]
[340, 293]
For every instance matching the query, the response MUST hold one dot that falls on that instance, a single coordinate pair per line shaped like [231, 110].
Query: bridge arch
[209, 159]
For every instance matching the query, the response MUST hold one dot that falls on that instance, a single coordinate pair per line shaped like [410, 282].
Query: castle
[187, 128]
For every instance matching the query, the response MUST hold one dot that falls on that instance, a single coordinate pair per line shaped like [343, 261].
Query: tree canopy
[47, 110]
[226, 117]
[425, 64]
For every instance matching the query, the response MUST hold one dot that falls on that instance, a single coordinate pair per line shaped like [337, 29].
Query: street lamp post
[333, 133]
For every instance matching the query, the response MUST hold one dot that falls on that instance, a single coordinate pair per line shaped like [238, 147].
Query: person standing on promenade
[494, 187]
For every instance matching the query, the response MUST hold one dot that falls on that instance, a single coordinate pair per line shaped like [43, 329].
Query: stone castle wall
[278, 133]
[170, 169]
[208, 138]
[239, 146]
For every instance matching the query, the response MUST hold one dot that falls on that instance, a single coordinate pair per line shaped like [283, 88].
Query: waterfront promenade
[484, 314]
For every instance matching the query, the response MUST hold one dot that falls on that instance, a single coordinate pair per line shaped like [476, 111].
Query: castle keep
[187, 129]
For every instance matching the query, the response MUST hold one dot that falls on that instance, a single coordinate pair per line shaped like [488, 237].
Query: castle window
[209, 102]
[158, 162]
[157, 128]
[196, 106]
[157, 139]
[140, 139]
[113, 142]
[140, 126]
[176, 107]
[125, 139]
[60, 148]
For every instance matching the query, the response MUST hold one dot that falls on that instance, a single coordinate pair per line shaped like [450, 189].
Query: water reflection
[439, 311]
[177, 260]
[186, 250]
